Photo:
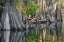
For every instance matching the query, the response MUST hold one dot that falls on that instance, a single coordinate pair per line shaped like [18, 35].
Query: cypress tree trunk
[11, 18]
[5, 17]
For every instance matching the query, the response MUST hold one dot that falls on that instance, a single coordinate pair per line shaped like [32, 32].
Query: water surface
[48, 32]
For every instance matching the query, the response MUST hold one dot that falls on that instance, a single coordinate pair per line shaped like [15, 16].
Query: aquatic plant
[33, 37]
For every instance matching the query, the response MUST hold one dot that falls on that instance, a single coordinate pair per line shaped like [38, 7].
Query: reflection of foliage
[20, 40]
[33, 37]
[63, 33]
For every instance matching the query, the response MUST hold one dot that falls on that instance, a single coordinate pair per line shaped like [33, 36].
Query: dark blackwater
[52, 32]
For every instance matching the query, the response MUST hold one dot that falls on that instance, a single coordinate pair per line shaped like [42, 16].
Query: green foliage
[27, 7]
[62, 2]
[32, 8]
[33, 37]
[17, 1]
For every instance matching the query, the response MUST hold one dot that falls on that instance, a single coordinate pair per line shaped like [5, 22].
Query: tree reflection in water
[47, 33]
